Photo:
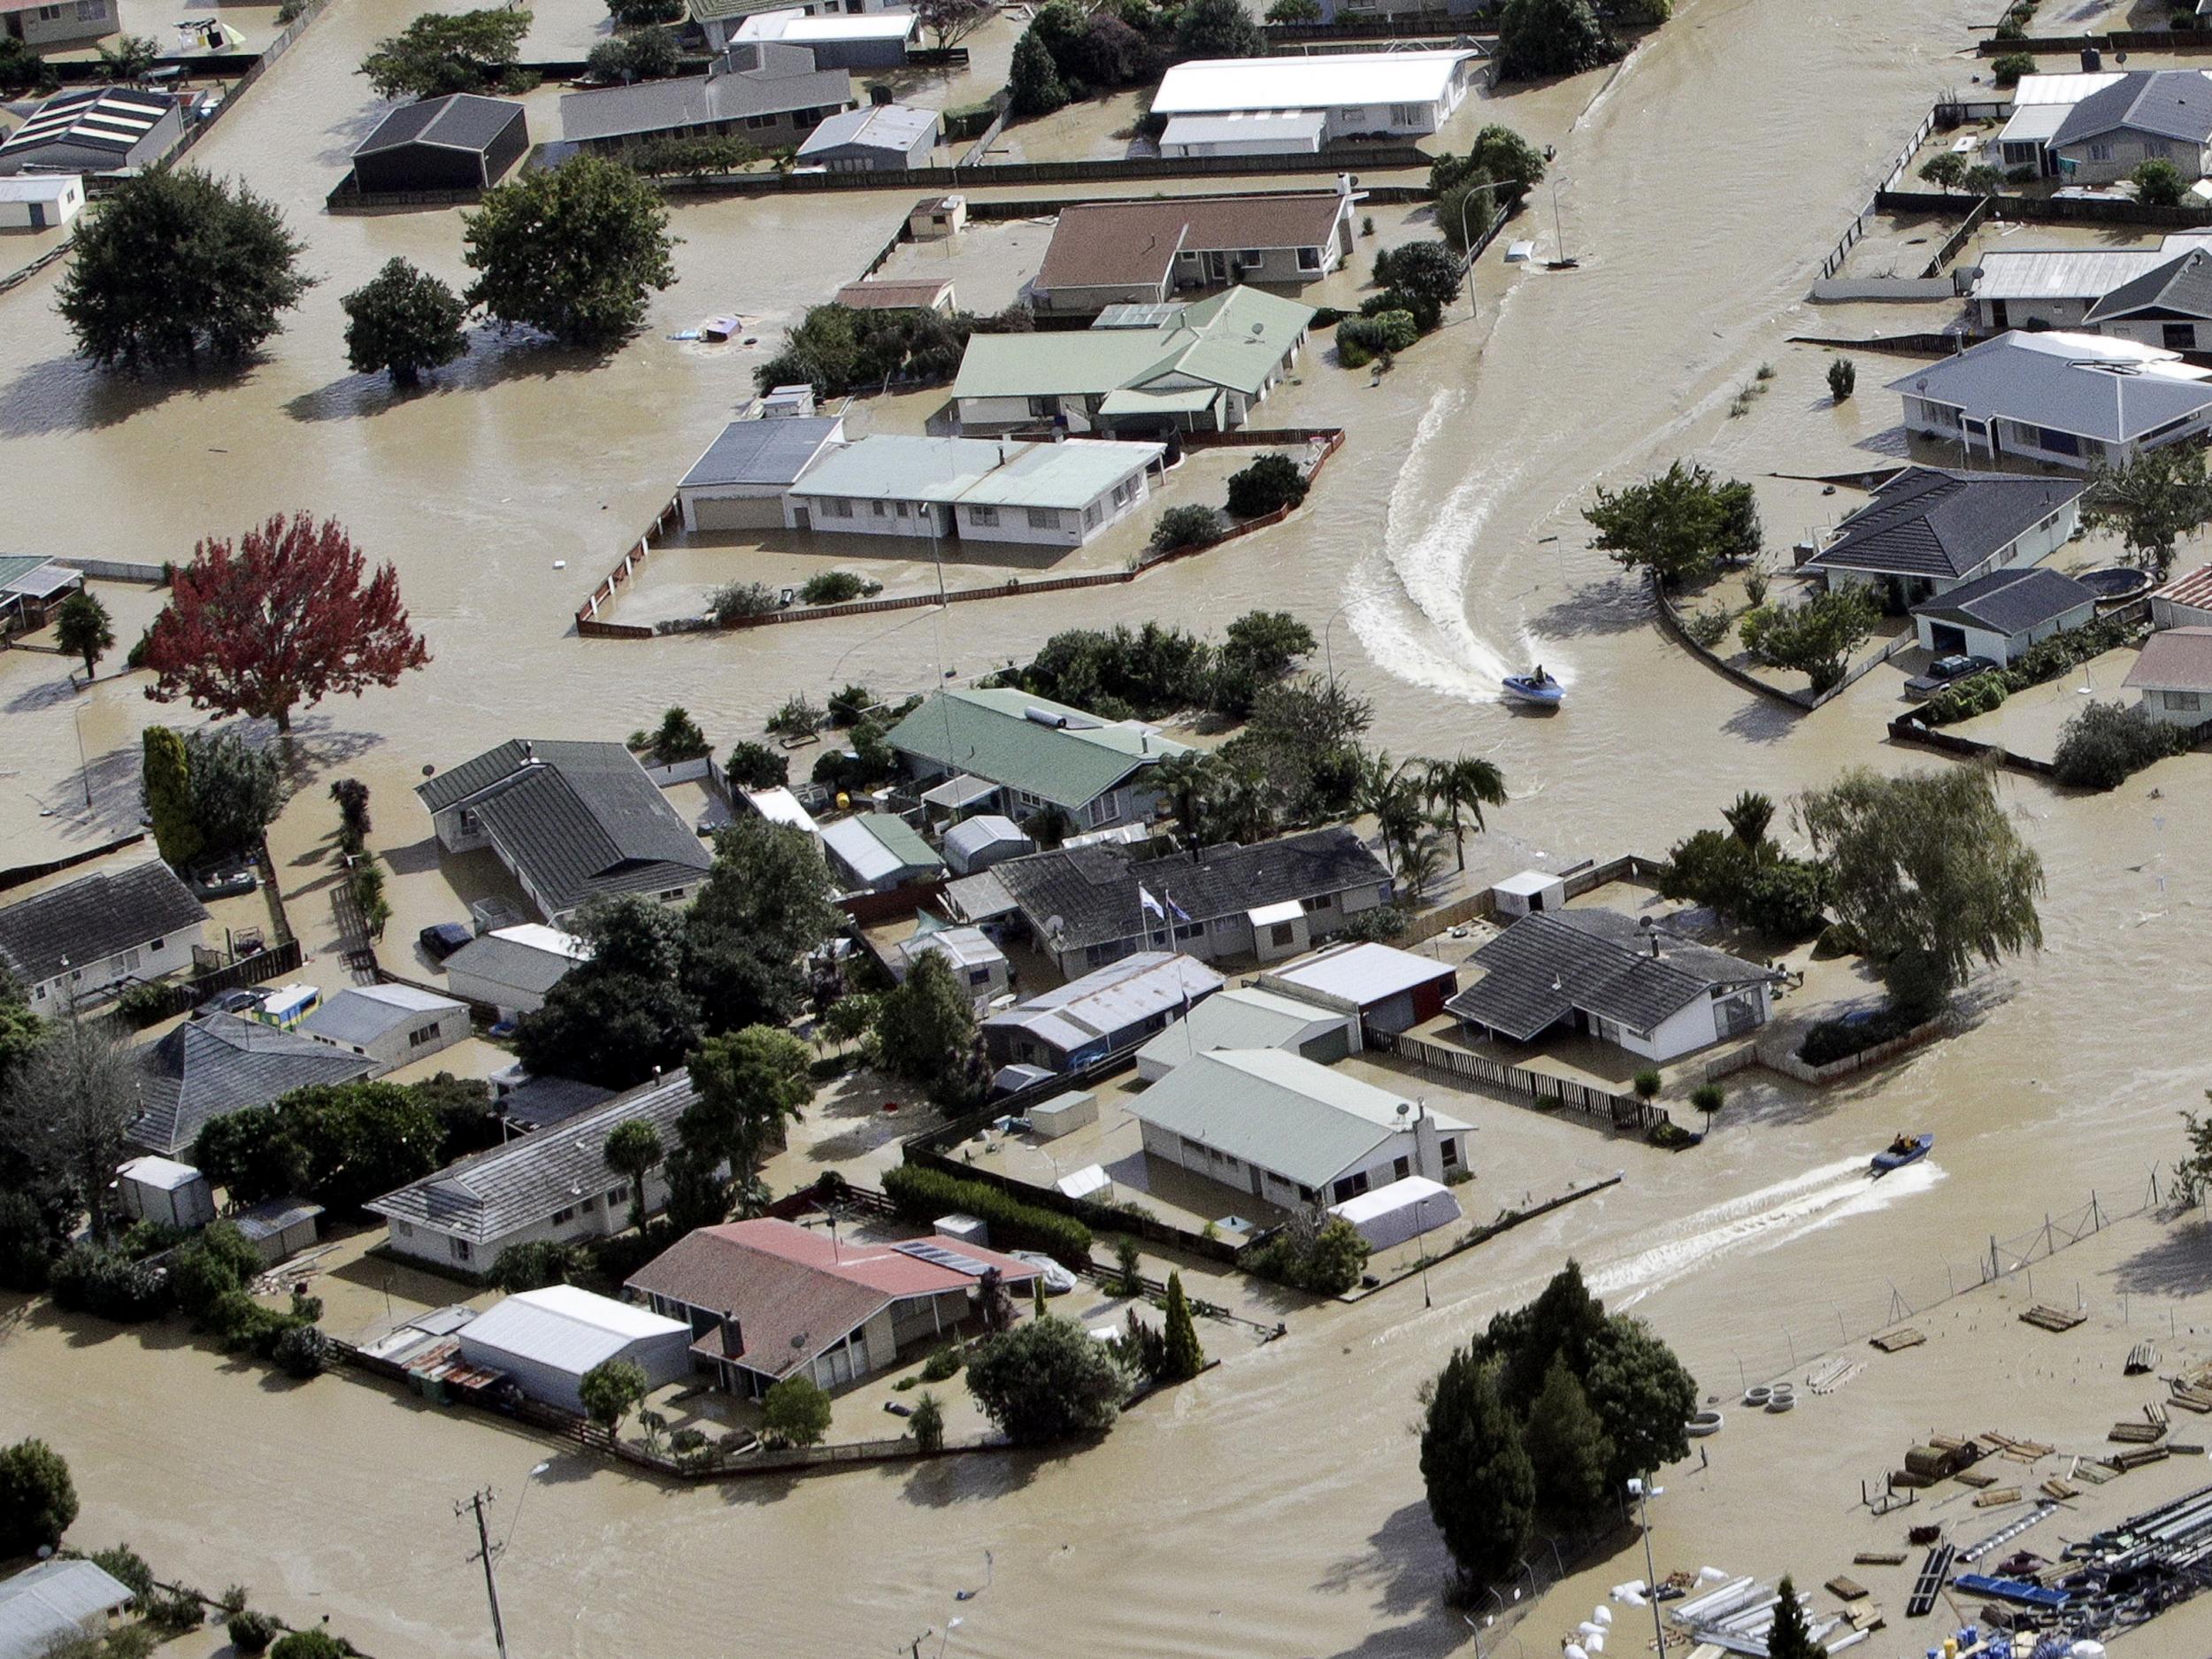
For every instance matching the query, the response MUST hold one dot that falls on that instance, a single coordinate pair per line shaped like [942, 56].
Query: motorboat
[1903, 1150]
[1538, 689]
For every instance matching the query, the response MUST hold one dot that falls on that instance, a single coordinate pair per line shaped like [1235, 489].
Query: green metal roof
[900, 838]
[1233, 339]
[990, 734]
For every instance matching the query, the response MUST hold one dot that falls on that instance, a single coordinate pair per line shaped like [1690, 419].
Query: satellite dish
[1055, 926]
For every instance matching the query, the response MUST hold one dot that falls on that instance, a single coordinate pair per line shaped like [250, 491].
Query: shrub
[943, 1363]
[1706, 1098]
[1834, 1040]
[1843, 379]
[174, 1614]
[1326, 1260]
[302, 1351]
[1272, 481]
[1187, 525]
[831, 588]
[1046, 1381]
[212, 1264]
[2007, 68]
[2105, 744]
[310, 1644]
[2159, 183]
[38, 1501]
[1647, 1083]
[795, 1412]
[1963, 699]
[142, 1004]
[251, 1632]
[742, 599]
[756, 767]
[1669, 1136]
[534, 1265]
[1708, 626]
[86, 1278]
[924, 1194]
[1425, 313]
[1359, 340]
[128, 1568]
[927, 1425]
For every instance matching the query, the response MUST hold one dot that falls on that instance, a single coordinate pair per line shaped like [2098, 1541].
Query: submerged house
[83, 940]
[999, 749]
[2143, 115]
[2000, 615]
[974, 489]
[1131, 253]
[1107, 1011]
[766, 92]
[1928, 530]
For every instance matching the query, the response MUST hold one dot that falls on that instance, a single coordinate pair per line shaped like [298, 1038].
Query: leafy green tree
[1296, 12]
[22, 69]
[1929, 870]
[1185, 1359]
[1426, 270]
[748, 1084]
[1480, 1484]
[1188, 524]
[217, 1261]
[38, 1501]
[237, 790]
[1269, 484]
[1568, 1452]
[634, 1147]
[2159, 183]
[754, 765]
[1641, 1394]
[2106, 743]
[437, 53]
[613, 1019]
[251, 1155]
[1260, 648]
[1564, 1321]
[644, 54]
[610, 1391]
[2154, 501]
[570, 250]
[951, 21]
[927, 1425]
[1843, 379]
[128, 1568]
[1984, 180]
[1538, 38]
[1046, 1381]
[536, 1263]
[1680, 524]
[795, 1412]
[1498, 153]
[166, 780]
[1461, 788]
[308, 1644]
[925, 1033]
[767, 904]
[1947, 171]
[81, 629]
[360, 1140]
[1816, 636]
[177, 265]
[1033, 86]
[403, 321]
[1790, 1637]
[642, 14]
[678, 737]
[1218, 28]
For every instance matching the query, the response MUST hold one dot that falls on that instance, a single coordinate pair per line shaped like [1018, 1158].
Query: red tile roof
[894, 294]
[1110, 244]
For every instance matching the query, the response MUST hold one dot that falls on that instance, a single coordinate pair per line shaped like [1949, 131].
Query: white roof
[1215, 86]
[38, 187]
[1246, 1016]
[2055, 274]
[802, 30]
[1244, 127]
[965, 947]
[892, 126]
[2035, 123]
[1112, 998]
[538, 936]
[1361, 972]
[164, 1174]
[1400, 1194]
[53, 1599]
[567, 1328]
[779, 805]
[1092, 1177]
[362, 1013]
[989, 472]
[1528, 883]
[2068, 89]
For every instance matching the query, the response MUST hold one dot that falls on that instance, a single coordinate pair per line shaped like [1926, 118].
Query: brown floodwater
[1274, 1506]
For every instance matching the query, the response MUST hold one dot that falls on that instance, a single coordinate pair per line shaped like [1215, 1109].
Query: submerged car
[1946, 670]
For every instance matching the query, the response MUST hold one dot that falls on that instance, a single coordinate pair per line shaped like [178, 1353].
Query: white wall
[596, 1220]
[2178, 708]
[142, 962]
[1999, 647]
[878, 517]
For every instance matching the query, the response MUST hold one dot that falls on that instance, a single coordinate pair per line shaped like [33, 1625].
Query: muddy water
[1273, 1507]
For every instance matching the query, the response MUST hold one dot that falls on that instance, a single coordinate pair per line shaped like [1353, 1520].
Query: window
[881, 509]
[1091, 515]
[1044, 517]
[157, 944]
[615, 1195]
[75, 975]
[49, 14]
[1323, 902]
[2057, 442]
[1400, 1168]
[983, 515]
[1451, 1153]
[979, 976]
[39, 995]
[591, 1202]
[565, 1215]
[671, 895]
[1040, 408]
[1310, 259]
[1250, 259]
[900, 507]
[1190, 930]
[461, 1252]
[2185, 702]
[127, 962]
[2179, 336]
[2101, 152]
[1309, 1194]
[422, 1034]
[1190, 1145]
[1281, 933]
[837, 507]
[1407, 114]
[759, 121]
[91, 11]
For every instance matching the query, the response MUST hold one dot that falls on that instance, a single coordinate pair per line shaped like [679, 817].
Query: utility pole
[476, 1502]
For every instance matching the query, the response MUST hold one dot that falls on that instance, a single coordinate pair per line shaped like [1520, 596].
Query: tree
[1790, 1637]
[166, 780]
[618, 1018]
[795, 1412]
[925, 1032]
[1463, 786]
[1748, 818]
[1948, 170]
[2152, 500]
[1983, 179]
[634, 1147]
[1188, 524]
[1567, 1451]
[535, 1263]
[401, 322]
[38, 1501]
[1033, 86]
[2159, 183]
[236, 789]
[1929, 871]
[308, 1644]
[1499, 155]
[1107, 53]
[1422, 271]
[644, 14]
[1296, 12]
[81, 629]
[1480, 1484]
[646, 54]
[927, 1423]
[1679, 524]
[678, 737]
[2107, 743]
[748, 1083]
[76, 1093]
[251, 1155]
[1269, 484]
[176, 265]
[129, 59]
[1261, 648]
[570, 250]
[1843, 379]
[754, 765]
[282, 619]
[1184, 1358]
[1537, 38]
[1218, 28]
[767, 904]
[356, 1141]
[468, 51]
[951, 21]
[610, 1391]
[1817, 636]
[1047, 1380]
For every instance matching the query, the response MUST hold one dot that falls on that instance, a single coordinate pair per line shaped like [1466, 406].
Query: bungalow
[1025, 754]
[2053, 287]
[723, 21]
[511, 969]
[52, 1605]
[86, 937]
[1358, 95]
[1038, 494]
[1130, 253]
[1280, 1128]
[739, 482]
[1390, 989]
[899, 293]
[874, 851]
[1107, 1012]
[95, 130]
[2169, 305]
[864, 39]
[875, 138]
[572, 822]
[2144, 115]
[1250, 1016]
[555, 1184]
[767, 93]
[1928, 530]
[1616, 978]
[1199, 367]
[2000, 615]
[2040, 105]
[217, 1064]
[2174, 674]
[57, 22]
[392, 1024]
[2071, 400]
[767, 1299]
[39, 201]
[980, 966]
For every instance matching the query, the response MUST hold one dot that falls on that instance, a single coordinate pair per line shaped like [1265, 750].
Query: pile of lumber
[1896, 1341]
[2137, 1433]
[2134, 1457]
[2047, 1318]
[2141, 1361]
[2190, 1396]
[1998, 1498]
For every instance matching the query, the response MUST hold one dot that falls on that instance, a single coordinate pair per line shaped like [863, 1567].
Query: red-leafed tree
[284, 618]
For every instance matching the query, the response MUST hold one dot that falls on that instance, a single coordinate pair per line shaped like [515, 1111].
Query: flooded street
[1273, 1507]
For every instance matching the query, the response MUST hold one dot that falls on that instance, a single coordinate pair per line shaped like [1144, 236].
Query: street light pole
[1327, 652]
[1640, 1490]
[1466, 242]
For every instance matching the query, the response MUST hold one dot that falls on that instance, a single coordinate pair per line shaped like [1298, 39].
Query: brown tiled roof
[894, 294]
[2178, 659]
[2193, 589]
[1100, 244]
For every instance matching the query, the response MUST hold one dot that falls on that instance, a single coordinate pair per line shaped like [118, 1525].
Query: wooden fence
[17, 874]
[1624, 1112]
[1779, 1054]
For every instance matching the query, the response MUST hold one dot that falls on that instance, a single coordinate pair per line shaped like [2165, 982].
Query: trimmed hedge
[924, 1194]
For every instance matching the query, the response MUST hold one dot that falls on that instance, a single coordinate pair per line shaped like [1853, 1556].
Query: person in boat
[1538, 677]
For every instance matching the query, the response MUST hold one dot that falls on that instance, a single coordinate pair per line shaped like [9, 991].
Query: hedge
[924, 1194]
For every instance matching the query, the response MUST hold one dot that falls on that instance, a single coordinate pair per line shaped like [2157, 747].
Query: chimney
[1428, 1146]
[1654, 944]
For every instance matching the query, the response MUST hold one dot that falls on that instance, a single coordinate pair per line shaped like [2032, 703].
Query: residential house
[2169, 305]
[2184, 602]
[739, 482]
[2000, 615]
[2040, 105]
[457, 142]
[511, 969]
[767, 1299]
[1278, 1127]
[874, 851]
[1359, 95]
[974, 489]
[987, 839]
[937, 218]
[91, 936]
[767, 93]
[216, 1064]
[2173, 674]
[571, 822]
[723, 21]
[1251, 1017]
[1150, 369]
[1087, 906]
[858, 39]
[57, 22]
[1107, 1011]
[52, 1603]
[1612, 976]
[95, 130]
[32, 587]
[39, 201]
[2071, 400]
[2144, 115]
[2051, 288]
[1142, 252]
[979, 964]
[1390, 989]
[874, 138]
[547, 1342]
[392, 1024]
[553, 1184]
[899, 293]
[1020, 754]
[1928, 530]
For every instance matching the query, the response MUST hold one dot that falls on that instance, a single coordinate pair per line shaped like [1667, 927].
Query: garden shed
[547, 1340]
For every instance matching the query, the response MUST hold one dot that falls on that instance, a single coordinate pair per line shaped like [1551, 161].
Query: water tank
[2091, 60]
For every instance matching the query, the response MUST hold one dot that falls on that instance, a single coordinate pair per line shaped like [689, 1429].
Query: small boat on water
[1903, 1150]
[1538, 689]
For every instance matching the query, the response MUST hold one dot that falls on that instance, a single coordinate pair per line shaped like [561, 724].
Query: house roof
[2191, 589]
[2165, 103]
[363, 1013]
[54, 1600]
[895, 294]
[530, 957]
[1235, 339]
[1927, 521]
[39, 187]
[962, 947]
[2010, 601]
[877, 846]
[29, 574]
[497, 1193]
[538, 1102]
[1110, 999]
[106, 121]
[988, 472]
[1279, 1110]
[2056, 274]
[986, 830]
[793, 1291]
[779, 805]
[1362, 972]
[763, 451]
[802, 30]
[1244, 1017]
[1214, 86]
[1115, 244]
[1033, 744]
[783, 79]
[2096, 386]
[1094, 890]
[223, 1063]
[2174, 659]
[1549, 965]
[2180, 287]
[566, 1327]
[94, 918]
[162, 1174]
[896, 128]
[578, 820]
[2069, 88]
[461, 120]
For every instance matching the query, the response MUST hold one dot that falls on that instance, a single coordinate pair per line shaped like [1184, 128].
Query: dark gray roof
[762, 450]
[2182, 287]
[2167, 102]
[363, 1013]
[1928, 521]
[96, 125]
[2010, 601]
[459, 121]
[222, 1063]
[765, 78]
[580, 820]
[1547, 965]
[1094, 889]
[91, 918]
[537, 1101]
[269, 1218]
[496, 1194]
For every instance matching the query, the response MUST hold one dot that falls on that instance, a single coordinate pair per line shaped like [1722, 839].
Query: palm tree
[130, 59]
[634, 1147]
[1748, 818]
[1393, 795]
[1184, 779]
[1464, 785]
[1239, 809]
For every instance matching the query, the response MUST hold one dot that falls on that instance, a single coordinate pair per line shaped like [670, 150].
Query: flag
[1181, 915]
[1151, 905]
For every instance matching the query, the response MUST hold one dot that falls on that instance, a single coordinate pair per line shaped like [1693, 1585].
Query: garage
[547, 1340]
[739, 483]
